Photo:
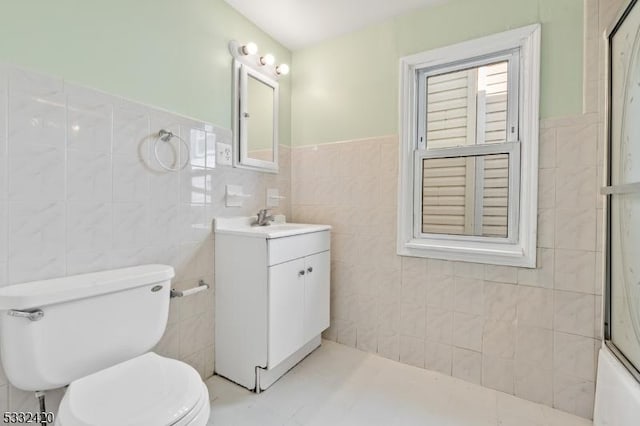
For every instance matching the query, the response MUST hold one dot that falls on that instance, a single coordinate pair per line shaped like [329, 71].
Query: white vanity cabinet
[272, 298]
[298, 304]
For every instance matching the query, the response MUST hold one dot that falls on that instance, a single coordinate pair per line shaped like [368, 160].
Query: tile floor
[340, 386]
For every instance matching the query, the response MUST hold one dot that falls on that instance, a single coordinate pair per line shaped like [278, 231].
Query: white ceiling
[299, 23]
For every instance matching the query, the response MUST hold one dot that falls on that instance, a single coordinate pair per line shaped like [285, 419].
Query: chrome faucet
[264, 218]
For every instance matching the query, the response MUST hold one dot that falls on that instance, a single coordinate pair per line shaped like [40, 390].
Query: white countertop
[278, 229]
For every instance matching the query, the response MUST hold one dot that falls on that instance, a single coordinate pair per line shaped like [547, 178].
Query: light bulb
[250, 48]
[282, 69]
[267, 59]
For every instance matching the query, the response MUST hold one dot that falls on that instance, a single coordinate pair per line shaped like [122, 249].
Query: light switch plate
[224, 154]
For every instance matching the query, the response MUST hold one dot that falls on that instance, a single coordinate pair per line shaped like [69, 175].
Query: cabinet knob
[309, 269]
[301, 273]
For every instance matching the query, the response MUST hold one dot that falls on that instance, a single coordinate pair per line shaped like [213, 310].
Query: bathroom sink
[278, 229]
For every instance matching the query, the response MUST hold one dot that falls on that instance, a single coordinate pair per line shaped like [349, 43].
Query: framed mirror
[255, 119]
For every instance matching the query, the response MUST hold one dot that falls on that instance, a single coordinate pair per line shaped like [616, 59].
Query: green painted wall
[167, 53]
[347, 87]
[173, 54]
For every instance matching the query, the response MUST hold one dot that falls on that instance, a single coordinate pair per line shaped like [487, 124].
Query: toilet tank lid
[37, 294]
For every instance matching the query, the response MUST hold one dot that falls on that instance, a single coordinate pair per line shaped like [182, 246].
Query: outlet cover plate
[273, 198]
[224, 154]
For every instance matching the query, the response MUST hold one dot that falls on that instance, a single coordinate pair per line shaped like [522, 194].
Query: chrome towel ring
[166, 136]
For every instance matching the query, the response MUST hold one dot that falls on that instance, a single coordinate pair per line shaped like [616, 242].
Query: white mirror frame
[242, 69]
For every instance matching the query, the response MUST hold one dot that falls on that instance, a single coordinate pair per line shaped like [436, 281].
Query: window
[469, 130]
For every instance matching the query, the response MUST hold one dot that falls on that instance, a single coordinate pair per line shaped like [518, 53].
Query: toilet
[93, 333]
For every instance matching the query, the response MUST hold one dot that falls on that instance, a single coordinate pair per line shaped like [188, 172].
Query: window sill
[470, 251]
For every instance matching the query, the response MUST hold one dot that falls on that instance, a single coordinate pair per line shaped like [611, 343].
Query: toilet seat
[148, 390]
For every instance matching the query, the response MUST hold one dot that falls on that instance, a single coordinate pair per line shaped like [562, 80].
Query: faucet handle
[263, 217]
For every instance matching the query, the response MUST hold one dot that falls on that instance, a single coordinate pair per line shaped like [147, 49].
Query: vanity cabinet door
[286, 310]
[316, 295]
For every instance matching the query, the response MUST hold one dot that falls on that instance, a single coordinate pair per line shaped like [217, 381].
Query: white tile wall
[80, 191]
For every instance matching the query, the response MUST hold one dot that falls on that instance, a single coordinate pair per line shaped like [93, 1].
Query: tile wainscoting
[81, 191]
[533, 333]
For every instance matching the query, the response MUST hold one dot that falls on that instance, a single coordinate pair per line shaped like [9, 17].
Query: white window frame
[512, 149]
[519, 249]
[512, 57]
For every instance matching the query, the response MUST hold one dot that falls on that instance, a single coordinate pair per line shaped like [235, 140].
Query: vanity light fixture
[282, 69]
[249, 49]
[247, 54]
[267, 59]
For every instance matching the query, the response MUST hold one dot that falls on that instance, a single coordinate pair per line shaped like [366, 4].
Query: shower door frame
[609, 191]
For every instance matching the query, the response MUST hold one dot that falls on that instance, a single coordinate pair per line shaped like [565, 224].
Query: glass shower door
[622, 325]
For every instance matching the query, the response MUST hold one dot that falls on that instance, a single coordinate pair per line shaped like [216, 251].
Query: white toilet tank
[87, 323]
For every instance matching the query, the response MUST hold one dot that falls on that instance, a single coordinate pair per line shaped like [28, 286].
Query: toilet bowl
[93, 333]
[146, 390]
